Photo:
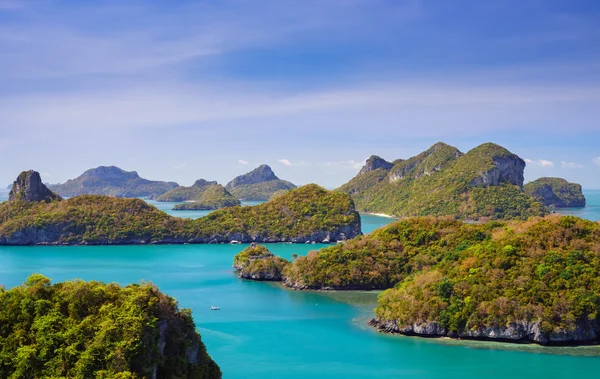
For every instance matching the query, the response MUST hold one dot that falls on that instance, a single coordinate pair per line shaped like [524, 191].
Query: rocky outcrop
[374, 163]
[112, 181]
[262, 173]
[29, 187]
[585, 332]
[256, 262]
[506, 170]
[556, 192]
[428, 162]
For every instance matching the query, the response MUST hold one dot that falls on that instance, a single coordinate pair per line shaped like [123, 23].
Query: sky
[211, 89]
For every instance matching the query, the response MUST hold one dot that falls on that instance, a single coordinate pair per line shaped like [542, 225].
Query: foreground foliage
[94, 330]
[463, 277]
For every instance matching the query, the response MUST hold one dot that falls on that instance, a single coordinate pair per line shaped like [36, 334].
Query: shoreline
[380, 215]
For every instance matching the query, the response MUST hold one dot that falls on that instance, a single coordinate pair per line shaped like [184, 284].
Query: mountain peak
[262, 173]
[29, 187]
[110, 172]
[373, 163]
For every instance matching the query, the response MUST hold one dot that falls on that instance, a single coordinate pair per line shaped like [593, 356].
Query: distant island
[111, 181]
[36, 216]
[556, 192]
[202, 195]
[80, 329]
[485, 183]
[259, 184]
[521, 281]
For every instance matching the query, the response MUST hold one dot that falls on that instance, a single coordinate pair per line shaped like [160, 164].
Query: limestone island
[556, 192]
[80, 329]
[34, 215]
[259, 184]
[485, 183]
[516, 281]
[111, 181]
[258, 263]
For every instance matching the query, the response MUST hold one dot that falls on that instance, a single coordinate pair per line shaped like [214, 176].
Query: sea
[266, 331]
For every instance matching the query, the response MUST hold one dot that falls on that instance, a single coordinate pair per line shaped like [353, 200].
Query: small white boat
[213, 308]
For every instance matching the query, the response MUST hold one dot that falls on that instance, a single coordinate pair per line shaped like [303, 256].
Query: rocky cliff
[29, 187]
[374, 163]
[112, 181]
[259, 184]
[556, 192]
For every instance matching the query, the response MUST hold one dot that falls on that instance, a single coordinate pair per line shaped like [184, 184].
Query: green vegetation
[213, 197]
[111, 181]
[484, 183]
[278, 193]
[82, 329]
[556, 192]
[296, 216]
[543, 273]
[258, 263]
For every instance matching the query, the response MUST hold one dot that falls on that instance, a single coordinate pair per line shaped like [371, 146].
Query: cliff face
[585, 332]
[259, 184]
[506, 170]
[112, 181]
[374, 163]
[29, 187]
[556, 192]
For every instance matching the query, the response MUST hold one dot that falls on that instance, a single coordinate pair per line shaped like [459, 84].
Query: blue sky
[210, 89]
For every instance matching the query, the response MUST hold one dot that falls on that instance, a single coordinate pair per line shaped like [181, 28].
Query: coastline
[379, 215]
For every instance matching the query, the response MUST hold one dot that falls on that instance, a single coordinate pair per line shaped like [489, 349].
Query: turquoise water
[592, 209]
[265, 331]
[167, 207]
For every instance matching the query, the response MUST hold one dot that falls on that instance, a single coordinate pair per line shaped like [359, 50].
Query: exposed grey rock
[29, 187]
[506, 170]
[262, 173]
[373, 163]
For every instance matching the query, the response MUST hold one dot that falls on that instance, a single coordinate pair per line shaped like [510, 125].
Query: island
[306, 214]
[556, 192]
[111, 181]
[202, 195]
[258, 185]
[485, 183]
[258, 263]
[80, 329]
[519, 281]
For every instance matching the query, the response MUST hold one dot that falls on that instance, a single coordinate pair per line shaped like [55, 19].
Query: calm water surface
[265, 331]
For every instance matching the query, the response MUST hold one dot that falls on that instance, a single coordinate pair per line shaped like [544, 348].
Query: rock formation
[259, 184]
[556, 192]
[29, 187]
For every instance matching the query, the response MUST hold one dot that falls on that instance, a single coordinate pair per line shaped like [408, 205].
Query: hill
[484, 183]
[259, 184]
[309, 213]
[82, 329]
[556, 192]
[183, 193]
[213, 197]
[111, 181]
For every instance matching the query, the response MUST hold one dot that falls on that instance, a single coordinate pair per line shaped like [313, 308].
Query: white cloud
[564, 164]
[540, 162]
[179, 166]
[243, 162]
[285, 162]
[349, 164]
[596, 161]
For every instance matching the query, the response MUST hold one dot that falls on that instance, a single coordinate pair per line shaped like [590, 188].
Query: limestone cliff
[29, 187]
[556, 192]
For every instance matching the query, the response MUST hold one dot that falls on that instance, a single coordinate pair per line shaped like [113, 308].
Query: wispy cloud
[179, 166]
[243, 162]
[596, 161]
[540, 162]
[564, 164]
[285, 162]
[349, 164]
